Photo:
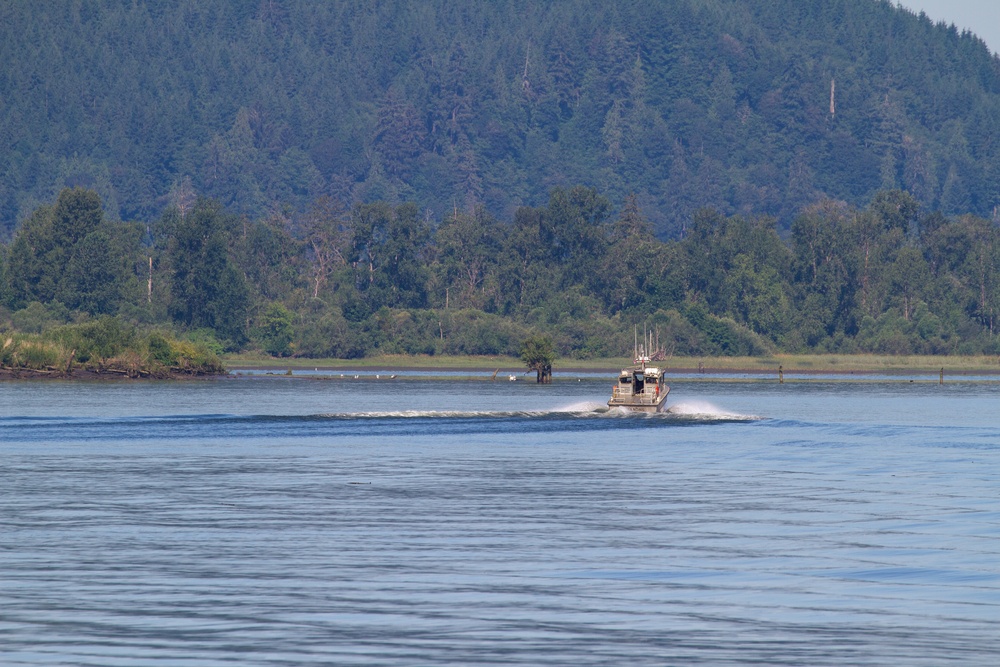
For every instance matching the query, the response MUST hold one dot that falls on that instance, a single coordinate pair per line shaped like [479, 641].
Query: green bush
[8, 350]
[274, 332]
[725, 336]
[36, 317]
[473, 332]
[38, 355]
[104, 338]
[160, 350]
[196, 357]
[207, 338]
[330, 336]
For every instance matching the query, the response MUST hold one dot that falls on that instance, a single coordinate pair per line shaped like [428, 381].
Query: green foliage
[330, 335]
[206, 288]
[4, 281]
[724, 336]
[466, 269]
[33, 258]
[106, 345]
[882, 278]
[36, 317]
[537, 354]
[21, 351]
[100, 339]
[70, 254]
[160, 349]
[386, 252]
[100, 275]
[274, 331]
[473, 332]
[206, 338]
[686, 103]
[77, 213]
[195, 358]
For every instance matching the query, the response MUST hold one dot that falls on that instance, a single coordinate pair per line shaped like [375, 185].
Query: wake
[707, 411]
[687, 411]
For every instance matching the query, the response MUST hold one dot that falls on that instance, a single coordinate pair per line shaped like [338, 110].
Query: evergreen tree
[206, 289]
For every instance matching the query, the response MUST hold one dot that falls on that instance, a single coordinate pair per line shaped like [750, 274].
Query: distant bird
[512, 378]
[356, 377]
[377, 376]
[392, 377]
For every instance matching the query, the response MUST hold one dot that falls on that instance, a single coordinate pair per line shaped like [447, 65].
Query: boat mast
[640, 355]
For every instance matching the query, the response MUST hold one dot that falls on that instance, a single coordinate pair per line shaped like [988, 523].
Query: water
[274, 521]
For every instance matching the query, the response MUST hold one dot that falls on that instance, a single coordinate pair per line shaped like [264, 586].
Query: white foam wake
[582, 406]
[457, 414]
[411, 414]
[687, 410]
[705, 410]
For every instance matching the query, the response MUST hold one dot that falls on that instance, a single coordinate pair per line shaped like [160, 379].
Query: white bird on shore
[512, 378]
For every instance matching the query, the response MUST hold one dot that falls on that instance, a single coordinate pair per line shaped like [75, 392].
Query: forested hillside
[267, 106]
[346, 178]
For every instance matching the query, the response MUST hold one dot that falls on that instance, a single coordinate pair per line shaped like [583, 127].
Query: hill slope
[684, 102]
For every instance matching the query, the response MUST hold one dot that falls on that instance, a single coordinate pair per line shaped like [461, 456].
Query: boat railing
[642, 398]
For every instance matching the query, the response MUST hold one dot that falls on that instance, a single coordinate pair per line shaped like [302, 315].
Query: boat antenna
[640, 353]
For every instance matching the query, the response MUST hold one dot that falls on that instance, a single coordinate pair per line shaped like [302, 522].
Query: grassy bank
[105, 347]
[791, 363]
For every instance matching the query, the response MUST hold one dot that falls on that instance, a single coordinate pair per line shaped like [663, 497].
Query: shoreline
[809, 365]
[575, 375]
[793, 367]
[85, 374]
[281, 371]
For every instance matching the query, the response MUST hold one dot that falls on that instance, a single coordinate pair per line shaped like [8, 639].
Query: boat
[640, 387]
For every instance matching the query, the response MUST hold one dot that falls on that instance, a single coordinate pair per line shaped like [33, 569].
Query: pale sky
[980, 16]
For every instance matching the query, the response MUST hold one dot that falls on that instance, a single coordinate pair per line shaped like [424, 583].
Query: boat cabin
[639, 381]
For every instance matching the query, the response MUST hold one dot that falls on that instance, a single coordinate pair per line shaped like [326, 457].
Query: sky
[980, 16]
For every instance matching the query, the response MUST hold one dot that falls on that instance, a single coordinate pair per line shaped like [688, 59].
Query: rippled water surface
[283, 521]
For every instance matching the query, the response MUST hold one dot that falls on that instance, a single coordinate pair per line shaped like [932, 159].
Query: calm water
[276, 521]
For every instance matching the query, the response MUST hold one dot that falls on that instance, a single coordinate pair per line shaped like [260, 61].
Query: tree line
[381, 278]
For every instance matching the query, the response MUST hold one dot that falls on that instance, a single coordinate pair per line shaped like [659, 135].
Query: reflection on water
[272, 523]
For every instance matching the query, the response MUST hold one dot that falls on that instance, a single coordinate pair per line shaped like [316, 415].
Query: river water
[284, 521]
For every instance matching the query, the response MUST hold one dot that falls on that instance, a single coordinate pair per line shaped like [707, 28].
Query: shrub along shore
[106, 347]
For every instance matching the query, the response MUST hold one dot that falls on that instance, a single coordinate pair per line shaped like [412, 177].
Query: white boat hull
[640, 403]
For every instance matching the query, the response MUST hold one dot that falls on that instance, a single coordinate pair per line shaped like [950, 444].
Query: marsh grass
[27, 352]
[106, 346]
